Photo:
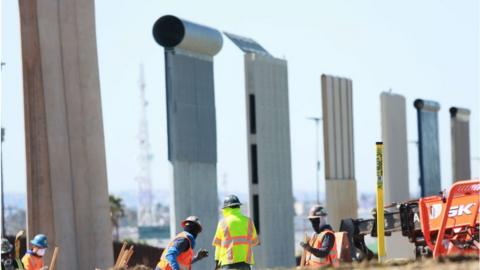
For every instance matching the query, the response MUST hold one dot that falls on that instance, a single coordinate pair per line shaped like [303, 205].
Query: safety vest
[330, 259]
[184, 259]
[234, 239]
[31, 261]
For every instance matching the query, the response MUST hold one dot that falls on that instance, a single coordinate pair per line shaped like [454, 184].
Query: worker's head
[6, 247]
[318, 217]
[231, 201]
[192, 225]
[39, 244]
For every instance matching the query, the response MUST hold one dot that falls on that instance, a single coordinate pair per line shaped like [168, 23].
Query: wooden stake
[53, 263]
[120, 255]
[304, 252]
[128, 256]
[17, 248]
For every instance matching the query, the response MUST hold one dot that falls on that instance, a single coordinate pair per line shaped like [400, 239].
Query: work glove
[304, 245]
[202, 253]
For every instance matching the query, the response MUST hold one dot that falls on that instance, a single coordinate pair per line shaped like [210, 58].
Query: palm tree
[117, 210]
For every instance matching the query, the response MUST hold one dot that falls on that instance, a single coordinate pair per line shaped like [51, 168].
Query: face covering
[323, 221]
[41, 252]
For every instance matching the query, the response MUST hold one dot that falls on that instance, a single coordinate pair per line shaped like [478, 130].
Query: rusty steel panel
[428, 146]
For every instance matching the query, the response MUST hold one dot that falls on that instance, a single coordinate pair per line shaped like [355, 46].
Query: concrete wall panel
[394, 137]
[460, 132]
[266, 79]
[341, 201]
[66, 170]
[195, 193]
[338, 147]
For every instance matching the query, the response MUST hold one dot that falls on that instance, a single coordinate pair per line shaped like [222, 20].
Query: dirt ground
[449, 263]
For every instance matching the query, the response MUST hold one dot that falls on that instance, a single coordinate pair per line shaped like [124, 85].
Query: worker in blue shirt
[179, 254]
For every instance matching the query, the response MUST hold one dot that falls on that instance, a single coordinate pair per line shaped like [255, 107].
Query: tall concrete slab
[460, 132]
[394, 137]
[341, 190]
[67, 196]
[269, 154]
[192, 144]
[428, 146]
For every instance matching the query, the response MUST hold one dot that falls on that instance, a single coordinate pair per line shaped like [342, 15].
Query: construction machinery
[439, 225]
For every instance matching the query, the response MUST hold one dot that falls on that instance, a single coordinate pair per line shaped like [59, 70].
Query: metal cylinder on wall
[192, 143]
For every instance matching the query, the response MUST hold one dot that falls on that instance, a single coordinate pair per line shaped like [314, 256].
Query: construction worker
[234, 238]
[179, 254]
[8, 262]
[33, 259]
[321, 249]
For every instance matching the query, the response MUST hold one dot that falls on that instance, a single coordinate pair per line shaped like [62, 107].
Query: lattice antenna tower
[144, 179]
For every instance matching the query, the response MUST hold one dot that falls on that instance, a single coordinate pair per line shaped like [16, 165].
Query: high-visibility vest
[330, 259]
[184, 259]
[234, 239]
[32, 262]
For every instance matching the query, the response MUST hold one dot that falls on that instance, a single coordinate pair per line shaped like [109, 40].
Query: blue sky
[420, 49]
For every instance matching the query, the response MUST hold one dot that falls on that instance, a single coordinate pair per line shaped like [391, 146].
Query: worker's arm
[180, 245]
[324, 250]
[255, 241]
[26, 262]
[217, 240]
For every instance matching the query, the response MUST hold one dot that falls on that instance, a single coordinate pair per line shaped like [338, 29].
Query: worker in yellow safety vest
[321, 249]
[179, 254]
[234, 238]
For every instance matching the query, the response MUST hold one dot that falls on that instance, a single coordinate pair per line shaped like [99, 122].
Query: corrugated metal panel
[338, 127]
[247, 45]
[428, 145]
[460, 130]
[266, 79]
[191, 109]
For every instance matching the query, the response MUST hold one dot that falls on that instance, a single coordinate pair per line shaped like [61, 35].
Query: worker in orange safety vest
[179, 254]
[321, 249]
[33, 259]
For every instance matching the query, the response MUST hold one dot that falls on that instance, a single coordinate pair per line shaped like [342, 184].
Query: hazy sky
[420, 49]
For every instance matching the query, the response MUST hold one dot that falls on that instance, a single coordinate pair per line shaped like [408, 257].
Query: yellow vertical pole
[380, 211]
